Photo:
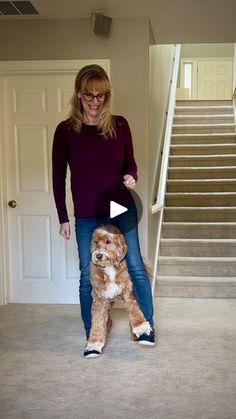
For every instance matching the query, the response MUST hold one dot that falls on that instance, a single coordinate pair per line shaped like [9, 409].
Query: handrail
[159, 205]
[234, 105]
[167, 138]
[234, 94]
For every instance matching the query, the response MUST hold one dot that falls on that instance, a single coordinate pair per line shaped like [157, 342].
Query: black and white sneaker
[148, 340]
[92, 353]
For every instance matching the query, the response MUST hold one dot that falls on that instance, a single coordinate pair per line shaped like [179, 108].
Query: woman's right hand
[65, 230]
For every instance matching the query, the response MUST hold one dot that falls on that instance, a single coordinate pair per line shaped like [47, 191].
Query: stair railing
[234, 105]
[158, 207]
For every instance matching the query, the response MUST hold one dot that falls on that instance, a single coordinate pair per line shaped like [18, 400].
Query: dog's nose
[99, 256]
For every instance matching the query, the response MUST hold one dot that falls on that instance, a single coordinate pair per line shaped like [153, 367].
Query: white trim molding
[51, 66]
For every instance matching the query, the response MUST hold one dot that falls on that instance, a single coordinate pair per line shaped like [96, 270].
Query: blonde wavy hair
[92, 77]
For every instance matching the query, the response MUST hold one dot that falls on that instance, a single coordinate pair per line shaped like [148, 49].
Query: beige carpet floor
[189, 374]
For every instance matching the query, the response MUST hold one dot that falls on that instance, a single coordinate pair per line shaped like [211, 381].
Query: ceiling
[172, 21]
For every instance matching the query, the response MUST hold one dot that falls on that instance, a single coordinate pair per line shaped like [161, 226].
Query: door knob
[12, 204]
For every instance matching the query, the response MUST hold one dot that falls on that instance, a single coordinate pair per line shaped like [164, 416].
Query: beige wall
[194, 21]
[160, 71]
[127, 49]
[207, 50]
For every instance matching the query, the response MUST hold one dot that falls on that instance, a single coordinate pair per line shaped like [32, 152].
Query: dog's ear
[93, 242]
[121, 248]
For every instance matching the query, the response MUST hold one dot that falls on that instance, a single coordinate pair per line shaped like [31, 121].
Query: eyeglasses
[89, 96]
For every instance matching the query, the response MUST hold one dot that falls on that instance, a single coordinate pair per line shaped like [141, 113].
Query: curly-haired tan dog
[110, 278]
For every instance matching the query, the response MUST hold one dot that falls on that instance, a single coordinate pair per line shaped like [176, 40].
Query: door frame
[8, 68]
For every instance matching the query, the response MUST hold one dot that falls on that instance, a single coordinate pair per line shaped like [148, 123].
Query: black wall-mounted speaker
[102, 24]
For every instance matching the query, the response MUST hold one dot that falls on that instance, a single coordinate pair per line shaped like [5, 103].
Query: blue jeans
[84, 228]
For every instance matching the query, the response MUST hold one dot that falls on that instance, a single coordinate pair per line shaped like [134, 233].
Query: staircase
[198, 240]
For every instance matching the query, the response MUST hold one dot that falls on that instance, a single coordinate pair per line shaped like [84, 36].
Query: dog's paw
[141, 329]
[94, 346]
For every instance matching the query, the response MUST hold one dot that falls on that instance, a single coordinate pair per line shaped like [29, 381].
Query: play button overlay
[119, 206]
[116, 209]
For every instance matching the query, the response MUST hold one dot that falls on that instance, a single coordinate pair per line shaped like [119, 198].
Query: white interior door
[214, 79]
[43, 266]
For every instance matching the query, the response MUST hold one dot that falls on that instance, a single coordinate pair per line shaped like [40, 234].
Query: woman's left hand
[129, 181]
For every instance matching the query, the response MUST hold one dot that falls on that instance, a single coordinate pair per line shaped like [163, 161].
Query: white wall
[160, 71]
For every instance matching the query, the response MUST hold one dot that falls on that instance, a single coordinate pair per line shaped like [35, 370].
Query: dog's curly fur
[110, 279]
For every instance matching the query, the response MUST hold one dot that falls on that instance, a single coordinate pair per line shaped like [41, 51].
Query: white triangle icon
[116, 209]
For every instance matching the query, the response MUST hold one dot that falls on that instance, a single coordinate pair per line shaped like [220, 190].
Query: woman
[98, 148]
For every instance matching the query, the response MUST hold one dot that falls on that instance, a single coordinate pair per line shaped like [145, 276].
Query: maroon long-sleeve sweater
[97, 167]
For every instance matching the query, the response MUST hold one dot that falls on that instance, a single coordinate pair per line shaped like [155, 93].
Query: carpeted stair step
[203, 287]
[203, 119]
[203, 103]
[197, 266]
[200, 214]
[199, 230]
[203, 129]
[206, 161]
[224, 172]
[198, 247]
[202, 185]
[203, 199]
[228, 138]
[202, 149]
[204, 110]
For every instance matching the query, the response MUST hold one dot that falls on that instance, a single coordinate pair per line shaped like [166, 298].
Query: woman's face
[92, 103]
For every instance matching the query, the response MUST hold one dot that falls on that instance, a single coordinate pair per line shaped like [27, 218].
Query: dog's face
[108, 246]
